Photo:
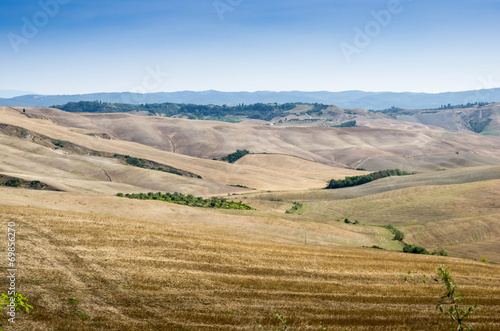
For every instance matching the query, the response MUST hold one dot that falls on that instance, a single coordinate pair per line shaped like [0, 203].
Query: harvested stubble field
[138, 275]
[462, 218]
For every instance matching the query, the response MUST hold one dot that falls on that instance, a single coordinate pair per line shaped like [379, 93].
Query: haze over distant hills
[346, 99]
[13, 93]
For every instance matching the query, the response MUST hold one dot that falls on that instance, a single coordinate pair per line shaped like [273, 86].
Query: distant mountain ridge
[346, 99]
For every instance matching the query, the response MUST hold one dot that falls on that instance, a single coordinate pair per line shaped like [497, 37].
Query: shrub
[440, 251]
[414, 249]
[295, 208]
[14, 182]
[398, 235]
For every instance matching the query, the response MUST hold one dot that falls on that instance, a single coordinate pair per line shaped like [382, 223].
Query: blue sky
[85, 46]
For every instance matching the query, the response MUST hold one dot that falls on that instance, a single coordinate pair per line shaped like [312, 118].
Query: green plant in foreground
[449, 304]
[82, 315]
[282, 322]
[408, 277]
[19, 301]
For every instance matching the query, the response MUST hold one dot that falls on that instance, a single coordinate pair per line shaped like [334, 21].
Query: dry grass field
[93, 272]
[462, 218]
[88, 260]
[379, 143]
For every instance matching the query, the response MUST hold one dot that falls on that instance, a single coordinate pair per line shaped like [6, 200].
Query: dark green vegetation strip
[413, 249]
[398, 235]
[363, 179]
[478, 125]
[69, 147]
[18, 182]
[203, 112]
[233, 157]
[348, 124]
[188, 200]
[152, 165]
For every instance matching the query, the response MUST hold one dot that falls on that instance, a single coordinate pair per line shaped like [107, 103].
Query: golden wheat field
[92, 272]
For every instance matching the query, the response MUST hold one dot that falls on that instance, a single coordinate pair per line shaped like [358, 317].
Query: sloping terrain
[89, 260]
[481, 119]
[462, 218]
[23, 154]
[85, 271]
[380, 144]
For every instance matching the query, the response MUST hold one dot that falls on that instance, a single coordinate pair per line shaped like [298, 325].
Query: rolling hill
[377, 144]
[89, 260]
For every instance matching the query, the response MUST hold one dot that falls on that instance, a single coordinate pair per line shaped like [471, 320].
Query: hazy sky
[85, 46]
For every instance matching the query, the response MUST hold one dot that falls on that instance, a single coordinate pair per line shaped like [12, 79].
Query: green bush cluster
[233, 157]
[188, 200]
[13, 182]
[296, 207]
[408, 248]
[363, 179]
[348, 124]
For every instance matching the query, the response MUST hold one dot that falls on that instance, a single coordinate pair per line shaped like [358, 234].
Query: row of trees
[468, 105]
[188, 200]
[363, 179]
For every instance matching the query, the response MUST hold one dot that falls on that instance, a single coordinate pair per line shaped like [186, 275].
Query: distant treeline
[397, 110]
[363, 179]
[468, 105]
[188, 200]
[255, 111]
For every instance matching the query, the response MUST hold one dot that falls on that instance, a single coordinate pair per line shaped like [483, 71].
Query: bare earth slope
[380, 144]
[214, 173]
